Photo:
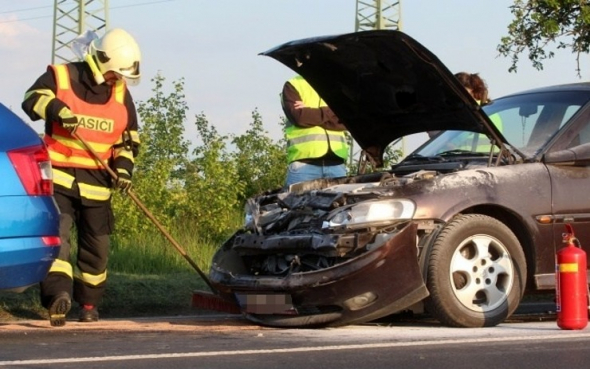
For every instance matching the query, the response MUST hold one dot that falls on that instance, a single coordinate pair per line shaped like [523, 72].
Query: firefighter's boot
[58, 308]
[88, 314]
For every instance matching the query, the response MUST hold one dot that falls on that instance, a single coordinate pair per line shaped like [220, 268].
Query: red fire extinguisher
[571, 284]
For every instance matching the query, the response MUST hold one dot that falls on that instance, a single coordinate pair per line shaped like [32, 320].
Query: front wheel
[476, 272]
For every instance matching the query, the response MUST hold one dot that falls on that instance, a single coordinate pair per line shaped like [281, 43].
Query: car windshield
[527, 122]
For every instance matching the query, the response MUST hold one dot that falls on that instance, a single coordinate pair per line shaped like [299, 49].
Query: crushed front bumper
[379, 282]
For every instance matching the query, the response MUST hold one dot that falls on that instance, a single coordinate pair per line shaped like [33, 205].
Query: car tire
[476, 272]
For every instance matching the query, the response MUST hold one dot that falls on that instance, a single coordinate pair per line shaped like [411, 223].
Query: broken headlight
[372, 212]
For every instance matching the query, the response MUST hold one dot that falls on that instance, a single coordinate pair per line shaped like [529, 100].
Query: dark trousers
[93, 225]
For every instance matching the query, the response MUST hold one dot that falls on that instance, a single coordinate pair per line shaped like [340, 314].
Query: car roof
[581, 86]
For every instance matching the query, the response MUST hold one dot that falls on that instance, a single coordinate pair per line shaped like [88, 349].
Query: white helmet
[116, 51]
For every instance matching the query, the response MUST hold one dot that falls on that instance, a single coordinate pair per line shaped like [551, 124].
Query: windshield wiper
[418, 157]
[460, 152]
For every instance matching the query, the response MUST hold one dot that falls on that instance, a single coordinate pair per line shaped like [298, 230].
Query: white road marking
[297, 349]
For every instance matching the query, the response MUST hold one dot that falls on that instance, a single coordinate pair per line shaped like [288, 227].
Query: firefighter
[87, 99]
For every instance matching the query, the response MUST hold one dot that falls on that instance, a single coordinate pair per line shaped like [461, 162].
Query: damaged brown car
[461, 228]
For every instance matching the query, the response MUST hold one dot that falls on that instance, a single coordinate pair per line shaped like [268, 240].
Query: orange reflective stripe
[67, 152]
[56, 146]
[73, 161]
[77, 148]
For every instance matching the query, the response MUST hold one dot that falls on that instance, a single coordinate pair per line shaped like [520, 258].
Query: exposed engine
[309, 228]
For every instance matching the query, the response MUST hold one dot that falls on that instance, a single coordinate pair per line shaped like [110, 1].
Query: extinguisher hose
[133, 197]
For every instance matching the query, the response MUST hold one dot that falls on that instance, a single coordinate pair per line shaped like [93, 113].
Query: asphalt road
[228, 341]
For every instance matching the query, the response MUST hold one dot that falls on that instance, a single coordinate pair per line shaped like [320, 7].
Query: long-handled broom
[201, 299]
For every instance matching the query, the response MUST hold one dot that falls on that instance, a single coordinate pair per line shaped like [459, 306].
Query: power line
[26, 10]
[148, 3]
[49, 16]
[24, 19]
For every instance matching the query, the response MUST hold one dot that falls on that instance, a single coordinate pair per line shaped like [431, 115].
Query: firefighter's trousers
[92, 226]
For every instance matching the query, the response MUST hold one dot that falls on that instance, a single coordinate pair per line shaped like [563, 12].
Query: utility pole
[378, 14]
[72, 18]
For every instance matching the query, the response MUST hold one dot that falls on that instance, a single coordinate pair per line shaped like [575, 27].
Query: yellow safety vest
[313, 142]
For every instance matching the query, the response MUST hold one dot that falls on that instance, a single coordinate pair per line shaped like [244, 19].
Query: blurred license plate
[266, 303]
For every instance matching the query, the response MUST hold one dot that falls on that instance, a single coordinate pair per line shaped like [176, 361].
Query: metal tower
[72, 18]
[378, 14]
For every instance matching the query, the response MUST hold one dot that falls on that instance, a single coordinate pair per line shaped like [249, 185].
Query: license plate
[266, 304]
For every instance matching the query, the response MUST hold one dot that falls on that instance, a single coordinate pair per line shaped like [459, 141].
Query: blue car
[29, 216]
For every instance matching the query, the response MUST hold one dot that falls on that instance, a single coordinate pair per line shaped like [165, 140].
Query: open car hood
[384, 85]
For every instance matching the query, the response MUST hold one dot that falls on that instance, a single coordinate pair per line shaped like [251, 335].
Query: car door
[570, 184]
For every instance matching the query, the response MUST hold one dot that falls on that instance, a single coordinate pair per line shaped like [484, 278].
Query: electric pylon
[377, 14]
[72, 18]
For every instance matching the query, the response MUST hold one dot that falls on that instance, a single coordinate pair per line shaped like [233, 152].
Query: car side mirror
[574, 156]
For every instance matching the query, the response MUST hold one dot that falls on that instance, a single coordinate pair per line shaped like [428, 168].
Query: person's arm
[40, 101]
[308, 116]
[127, 148]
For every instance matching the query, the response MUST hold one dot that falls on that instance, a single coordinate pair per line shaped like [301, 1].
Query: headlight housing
[372, 212]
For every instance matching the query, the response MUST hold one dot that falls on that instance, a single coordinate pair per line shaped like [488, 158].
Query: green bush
[198, 197]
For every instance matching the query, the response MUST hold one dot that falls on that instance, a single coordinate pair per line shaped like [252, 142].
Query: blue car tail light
[33, 168]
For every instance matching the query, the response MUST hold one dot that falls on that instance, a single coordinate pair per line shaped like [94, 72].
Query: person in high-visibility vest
[87, 99]
[316, 140]
[475, 85]
[478, 89]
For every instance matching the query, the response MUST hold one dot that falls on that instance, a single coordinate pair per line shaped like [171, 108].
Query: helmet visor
[131, 74]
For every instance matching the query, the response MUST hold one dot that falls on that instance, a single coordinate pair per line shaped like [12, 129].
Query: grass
[146, 277]
[152, 253]
[127, 295]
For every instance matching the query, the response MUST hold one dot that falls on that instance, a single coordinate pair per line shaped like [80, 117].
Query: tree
[162, 129]
[162, 157]
[201, 192]
[539, 23]
[261, 162]
[212, 184]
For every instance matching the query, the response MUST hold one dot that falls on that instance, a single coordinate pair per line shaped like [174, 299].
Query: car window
[519, 123]
[527, 122]
[531, 120]
[456, 141]
[569, 112]
[580, 133]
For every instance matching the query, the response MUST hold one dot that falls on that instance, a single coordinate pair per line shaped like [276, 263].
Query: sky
[213, 45]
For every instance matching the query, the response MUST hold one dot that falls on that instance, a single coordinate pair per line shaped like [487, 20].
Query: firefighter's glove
[68, 120]
[123, 182]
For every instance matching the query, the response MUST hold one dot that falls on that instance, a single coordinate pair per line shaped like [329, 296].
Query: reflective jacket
[101, 126]
[108, 122]
[312, 142]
